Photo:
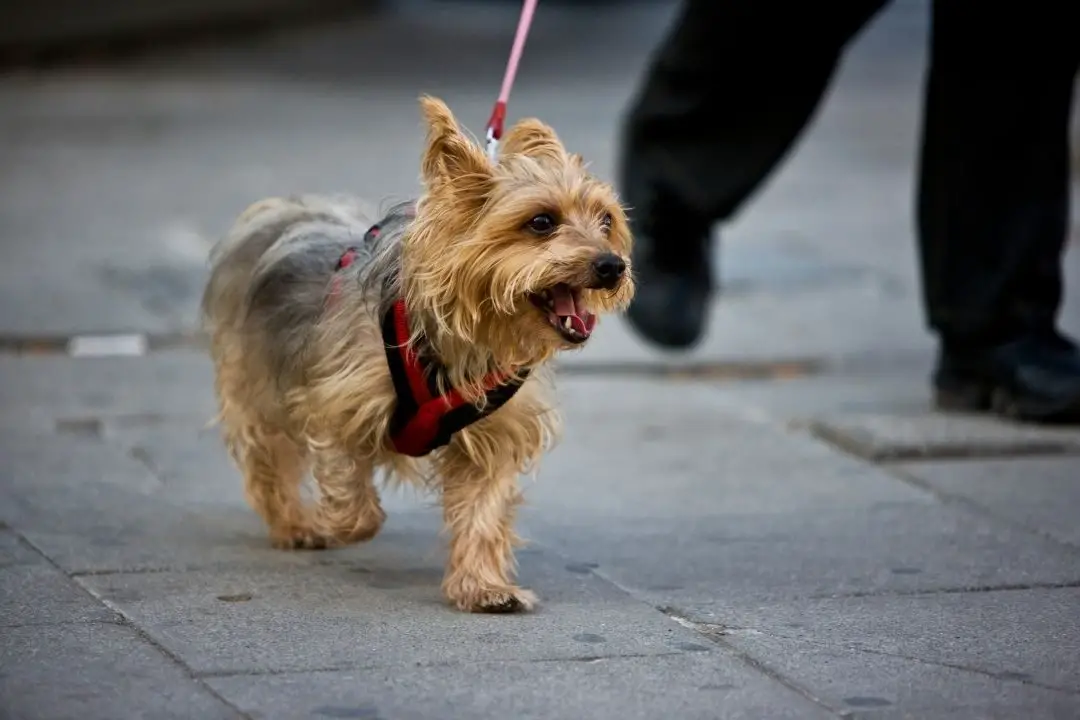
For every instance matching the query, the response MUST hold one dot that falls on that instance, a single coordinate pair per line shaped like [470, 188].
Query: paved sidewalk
[776, 526]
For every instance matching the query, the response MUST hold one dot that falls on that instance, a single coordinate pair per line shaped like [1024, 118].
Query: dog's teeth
[567, 324]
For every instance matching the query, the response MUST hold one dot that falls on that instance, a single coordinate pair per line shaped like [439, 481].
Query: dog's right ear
[449, 156]
[534, 139]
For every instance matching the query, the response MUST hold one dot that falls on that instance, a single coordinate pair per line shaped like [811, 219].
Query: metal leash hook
[498, 114]
[495, 130]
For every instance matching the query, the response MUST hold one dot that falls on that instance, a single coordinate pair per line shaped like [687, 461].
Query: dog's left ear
[534, 139]
[450, 156]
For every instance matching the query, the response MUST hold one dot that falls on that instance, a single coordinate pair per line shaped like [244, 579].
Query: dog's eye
[542, 224]
[605, 222]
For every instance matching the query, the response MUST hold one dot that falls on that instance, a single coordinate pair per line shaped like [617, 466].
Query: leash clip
[495, 129]
[492, 145]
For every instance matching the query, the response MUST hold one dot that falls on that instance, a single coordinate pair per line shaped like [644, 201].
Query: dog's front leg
[479, 502]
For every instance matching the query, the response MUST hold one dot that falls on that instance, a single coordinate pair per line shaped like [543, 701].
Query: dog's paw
[513, 601]
[347, 526]
[502, 600]
[301, 540]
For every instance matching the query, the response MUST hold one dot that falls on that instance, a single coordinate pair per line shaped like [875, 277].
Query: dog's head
[520, 255]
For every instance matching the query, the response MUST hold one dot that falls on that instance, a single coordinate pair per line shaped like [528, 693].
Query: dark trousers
[736, 81]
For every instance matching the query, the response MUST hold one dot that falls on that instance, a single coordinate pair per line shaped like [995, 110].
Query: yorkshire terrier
[417, 346]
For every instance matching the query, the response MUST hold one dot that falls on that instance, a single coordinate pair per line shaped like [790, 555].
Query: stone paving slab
[372, 615]
[890, 437]
[672, 495]
[673, 449]
[1042, 494]
[90, 508]
[38, 392]
[40, 594]
[892, 686]
[97, 671]
[880, 410]
[745, 560]
[1026, 634]
[33, 591]
[14, 552]
[160, 496]
[703, 686]
[1009, 645]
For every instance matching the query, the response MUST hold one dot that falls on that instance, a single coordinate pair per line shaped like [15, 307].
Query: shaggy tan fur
[301, 372]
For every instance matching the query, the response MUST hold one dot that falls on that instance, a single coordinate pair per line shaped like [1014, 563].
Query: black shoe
[671, 302]
[1032, 379]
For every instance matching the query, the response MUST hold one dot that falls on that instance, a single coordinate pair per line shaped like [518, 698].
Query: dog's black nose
[609, 269]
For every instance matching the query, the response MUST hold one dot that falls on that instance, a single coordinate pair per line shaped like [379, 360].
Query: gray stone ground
[775, 526]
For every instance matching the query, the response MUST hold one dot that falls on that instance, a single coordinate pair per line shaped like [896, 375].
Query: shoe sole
[669, 335]
[1005, 403]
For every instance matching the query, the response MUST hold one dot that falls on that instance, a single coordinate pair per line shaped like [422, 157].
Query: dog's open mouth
[566, 312]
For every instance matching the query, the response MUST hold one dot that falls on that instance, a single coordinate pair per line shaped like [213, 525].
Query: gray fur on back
[270, 278]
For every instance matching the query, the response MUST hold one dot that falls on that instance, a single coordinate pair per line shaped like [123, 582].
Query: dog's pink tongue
[566, 305]
[563, 300]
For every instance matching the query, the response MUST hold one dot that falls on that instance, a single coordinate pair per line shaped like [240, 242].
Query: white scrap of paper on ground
[107, 345]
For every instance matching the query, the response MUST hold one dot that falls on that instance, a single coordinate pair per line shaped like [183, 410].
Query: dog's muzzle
[608, 270]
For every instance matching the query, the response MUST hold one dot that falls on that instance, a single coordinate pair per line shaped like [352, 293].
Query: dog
[416, 347]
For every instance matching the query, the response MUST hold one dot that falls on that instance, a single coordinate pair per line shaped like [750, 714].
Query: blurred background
[131, 133]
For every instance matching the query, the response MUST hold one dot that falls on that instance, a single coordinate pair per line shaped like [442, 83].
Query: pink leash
[498, 114]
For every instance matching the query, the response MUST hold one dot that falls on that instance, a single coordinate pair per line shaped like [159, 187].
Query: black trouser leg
[726, 95]
[994, 179]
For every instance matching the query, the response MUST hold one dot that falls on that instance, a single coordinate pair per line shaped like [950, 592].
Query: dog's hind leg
[274, 468]
[349, 510]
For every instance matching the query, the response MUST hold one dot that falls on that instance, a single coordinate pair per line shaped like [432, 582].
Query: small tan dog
[416, 346]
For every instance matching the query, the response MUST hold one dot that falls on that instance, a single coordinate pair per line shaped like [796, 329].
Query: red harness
[425, 418]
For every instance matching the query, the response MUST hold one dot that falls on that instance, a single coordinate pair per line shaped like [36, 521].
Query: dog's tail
[234, 258]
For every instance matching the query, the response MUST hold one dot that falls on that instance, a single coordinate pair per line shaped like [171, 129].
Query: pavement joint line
[141, 455]
[359, 667]
[1034, 449]
[119, 622]
[268, 564]
[98, 344]
[719, 370]
[96, 425]
[146, 637]
[715, 633]
[1000, 676]
[142, 344]
[947, 498]
[136, 571]
[848, 647]
[958, 590]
